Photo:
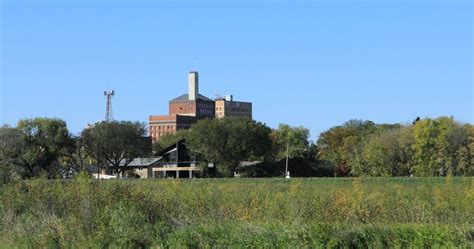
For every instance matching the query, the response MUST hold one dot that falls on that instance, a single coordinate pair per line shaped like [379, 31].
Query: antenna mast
[108, 108]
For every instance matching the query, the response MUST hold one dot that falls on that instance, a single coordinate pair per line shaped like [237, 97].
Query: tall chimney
[193, 84]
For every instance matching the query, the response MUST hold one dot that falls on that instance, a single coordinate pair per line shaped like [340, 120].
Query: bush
[342, 213]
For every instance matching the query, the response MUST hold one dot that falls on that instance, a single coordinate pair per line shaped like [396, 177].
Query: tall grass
[359, 212]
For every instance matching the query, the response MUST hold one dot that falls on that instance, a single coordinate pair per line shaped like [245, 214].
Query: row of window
[202, 105]
[239, 114]
[235, 114]
[240, 109]
[234, 109]
[159, 134]
[161, 127]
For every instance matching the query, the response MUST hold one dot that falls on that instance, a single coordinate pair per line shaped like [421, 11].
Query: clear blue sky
[311, 63]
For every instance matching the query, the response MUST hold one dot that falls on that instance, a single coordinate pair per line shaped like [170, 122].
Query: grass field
[268, 213]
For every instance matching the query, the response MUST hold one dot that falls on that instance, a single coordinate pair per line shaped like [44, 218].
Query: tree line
[427, 147]
[44, 146]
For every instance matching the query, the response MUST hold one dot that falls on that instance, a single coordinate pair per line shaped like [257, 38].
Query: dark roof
[184, 98]
[171, 147]
[92, 169]
[73, 169]
[89, 168]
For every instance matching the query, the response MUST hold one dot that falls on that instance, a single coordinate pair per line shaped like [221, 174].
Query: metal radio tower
[108, 109]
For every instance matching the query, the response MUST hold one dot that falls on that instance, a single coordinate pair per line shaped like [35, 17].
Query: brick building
[183, 111]
[168, 124]
[191, 107]
[227, 107]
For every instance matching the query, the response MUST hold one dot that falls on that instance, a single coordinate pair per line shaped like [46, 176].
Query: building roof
[74, 169]
[249, 163]
[92, 169]
[141, 162]
[185, 97]
[172, 147]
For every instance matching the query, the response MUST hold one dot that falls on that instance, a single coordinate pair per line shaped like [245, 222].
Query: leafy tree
[405, 141]
[466, 153]
[77, 154]
[116, 142]
[44, 142]
[440, 146]
[228, 141]
[428, 147]
[385, 154]
[10, 148]
[295, 138]
[341, 145]
[457, 153]
[425, 147]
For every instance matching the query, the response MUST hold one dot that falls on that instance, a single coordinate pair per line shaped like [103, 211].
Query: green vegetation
[229, 141]
[43, 146]
[40, 143]
[321, 212]
[295, 139]
[426, 147]
[115, 143]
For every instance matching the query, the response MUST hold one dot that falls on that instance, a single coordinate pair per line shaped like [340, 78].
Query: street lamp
[287, 173]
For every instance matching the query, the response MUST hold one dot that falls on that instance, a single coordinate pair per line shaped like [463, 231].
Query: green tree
[386, 153]
[44, 142]
[10, 148]
[457, 154]
[440, 146]
[342, 145]
[77, 154]
[466, 153]
[228, 141]
[116, 143]
[295, 138]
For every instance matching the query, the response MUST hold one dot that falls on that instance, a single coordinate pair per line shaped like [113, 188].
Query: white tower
[193, 85]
